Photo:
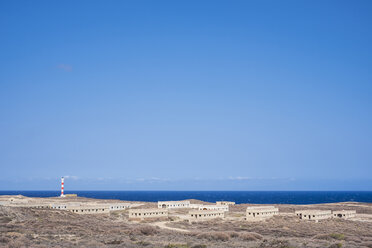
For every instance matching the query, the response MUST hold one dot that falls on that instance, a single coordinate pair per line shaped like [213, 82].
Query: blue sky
[186, 95]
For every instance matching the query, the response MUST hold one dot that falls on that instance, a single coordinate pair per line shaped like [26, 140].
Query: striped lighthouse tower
[62, 186]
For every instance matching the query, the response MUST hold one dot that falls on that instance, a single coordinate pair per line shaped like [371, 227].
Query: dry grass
[250, 236]
[144, 230]
[214, 236]
[20, 227]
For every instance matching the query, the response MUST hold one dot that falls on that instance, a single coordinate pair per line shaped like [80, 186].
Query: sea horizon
[251, 197]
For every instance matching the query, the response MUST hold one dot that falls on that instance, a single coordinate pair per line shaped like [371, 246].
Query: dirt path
[163, 226]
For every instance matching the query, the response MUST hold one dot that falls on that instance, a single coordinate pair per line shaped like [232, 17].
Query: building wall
[44, 206]
[173, 204]
[263, 212]
[344, 214]
[225, 203]
[214, 207]
[148, 213]
[119, 206]
[196, 206]
[18, 200]
[58, 206]
[314, 214]
[89, 210]
[198, 215]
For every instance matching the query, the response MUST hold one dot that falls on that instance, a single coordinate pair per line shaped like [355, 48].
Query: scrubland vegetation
[25, 227]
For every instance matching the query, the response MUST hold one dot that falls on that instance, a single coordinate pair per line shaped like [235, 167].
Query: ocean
[255, 197]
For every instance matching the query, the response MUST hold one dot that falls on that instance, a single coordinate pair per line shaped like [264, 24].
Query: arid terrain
[31, 227]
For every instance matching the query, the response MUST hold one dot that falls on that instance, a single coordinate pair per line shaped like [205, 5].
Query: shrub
[145, 230]
[338, 245]
[143, 243]
[113, 242]
[250, 236]
[279, 244]
[367, 244]
[16, 244]
[5, 219]
[233, 234]
[219, 236]
[4, 240]
[337, 236]
[177, 246]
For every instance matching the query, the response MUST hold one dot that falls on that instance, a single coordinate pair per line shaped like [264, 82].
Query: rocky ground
[26, 227]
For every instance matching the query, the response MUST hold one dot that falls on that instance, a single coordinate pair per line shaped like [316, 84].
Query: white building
[173, 204]
[119, 206]
[58, 206]
[214, 207]
[344, 214]
[196, 206]
[225, 203]
[314, 214]
[261, 212]
[199, 215]
[89, 209]
[147, 213]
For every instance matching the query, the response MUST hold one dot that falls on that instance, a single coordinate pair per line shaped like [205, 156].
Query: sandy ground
[28, 227]
[163, 225]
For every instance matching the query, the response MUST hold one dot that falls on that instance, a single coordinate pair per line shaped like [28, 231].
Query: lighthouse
[62, 186]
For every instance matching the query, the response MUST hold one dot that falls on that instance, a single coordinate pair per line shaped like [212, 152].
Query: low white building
[32, 205]
[196, 206]
[313, 214]
[214, 207]
[200, 215]
[58, 206]
[344, 214]
[18, 199]
[173, 204]
[147, 213]
[225, 203]
[89, 209]
[119, 206]
[261, 212]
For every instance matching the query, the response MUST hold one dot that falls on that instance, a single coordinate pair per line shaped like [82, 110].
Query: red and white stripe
[62, 186]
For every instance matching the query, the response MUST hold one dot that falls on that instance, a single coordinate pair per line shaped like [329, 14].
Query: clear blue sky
[185, 95]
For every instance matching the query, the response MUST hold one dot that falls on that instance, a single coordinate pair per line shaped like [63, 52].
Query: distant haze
[186, 95]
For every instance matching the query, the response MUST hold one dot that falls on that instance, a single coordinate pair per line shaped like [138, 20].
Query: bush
[250, 236]
[16, 244]
[337, 236]
[4, 240]
[233, 234]
[145, 230]
[219, 236]
[176, 246]
[279, 244]
[143, 243]
[113, 242]
[5, 219]
[338, 245]
[367, 244]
